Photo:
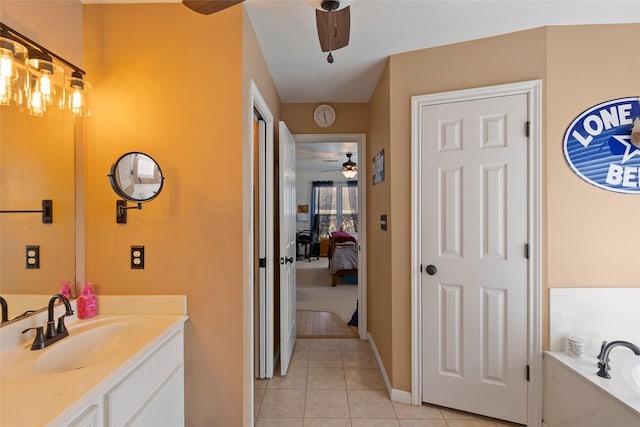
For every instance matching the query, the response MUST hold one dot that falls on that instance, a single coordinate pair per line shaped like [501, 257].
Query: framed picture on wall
[377, 167]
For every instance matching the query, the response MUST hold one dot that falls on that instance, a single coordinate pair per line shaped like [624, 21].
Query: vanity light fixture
[29, 77]
[13, 56]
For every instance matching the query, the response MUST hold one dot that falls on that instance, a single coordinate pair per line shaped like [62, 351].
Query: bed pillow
[342, 236]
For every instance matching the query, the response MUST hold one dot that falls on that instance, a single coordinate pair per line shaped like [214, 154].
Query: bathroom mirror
[136, 177]
[37, 162]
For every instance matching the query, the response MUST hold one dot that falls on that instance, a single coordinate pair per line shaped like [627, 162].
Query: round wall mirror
[136, 177]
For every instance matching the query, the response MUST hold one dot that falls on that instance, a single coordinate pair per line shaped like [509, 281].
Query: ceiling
[324, 156]
[286, 31]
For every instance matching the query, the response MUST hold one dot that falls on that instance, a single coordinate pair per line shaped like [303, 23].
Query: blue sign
[602, 145]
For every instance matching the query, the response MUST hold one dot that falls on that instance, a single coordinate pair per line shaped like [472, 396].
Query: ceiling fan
[333, 26]
[333, 23]
[349, 168]
[207, 7]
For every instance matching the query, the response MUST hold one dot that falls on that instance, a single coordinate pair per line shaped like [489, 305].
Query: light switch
[383, 222]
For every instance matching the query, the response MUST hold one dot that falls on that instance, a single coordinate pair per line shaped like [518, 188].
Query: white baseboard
[399, 396]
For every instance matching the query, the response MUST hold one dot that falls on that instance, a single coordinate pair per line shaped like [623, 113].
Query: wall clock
[324, 115]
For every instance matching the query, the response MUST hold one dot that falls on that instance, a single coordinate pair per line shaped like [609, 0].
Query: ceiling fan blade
[333, 28]
[207, 7]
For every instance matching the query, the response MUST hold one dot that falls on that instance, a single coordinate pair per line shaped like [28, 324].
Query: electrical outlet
[32, 257]
[137, 257]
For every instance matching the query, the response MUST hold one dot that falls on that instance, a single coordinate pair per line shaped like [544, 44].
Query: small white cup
[576, 346]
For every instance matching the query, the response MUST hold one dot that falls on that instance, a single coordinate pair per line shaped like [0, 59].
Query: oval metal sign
[602, 145]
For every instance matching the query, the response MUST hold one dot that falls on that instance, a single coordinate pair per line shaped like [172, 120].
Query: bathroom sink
[83, 347]
[99, 341]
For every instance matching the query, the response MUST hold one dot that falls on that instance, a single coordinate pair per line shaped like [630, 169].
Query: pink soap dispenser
[65, 289]
[87, 303]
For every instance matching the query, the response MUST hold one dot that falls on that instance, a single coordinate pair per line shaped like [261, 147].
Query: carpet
[315, 293]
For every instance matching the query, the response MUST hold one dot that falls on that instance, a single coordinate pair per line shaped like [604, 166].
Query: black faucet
[5, 310]
[603, 356]
[53, 333]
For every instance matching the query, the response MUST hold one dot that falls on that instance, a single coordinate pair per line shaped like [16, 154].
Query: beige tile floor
[336, 383]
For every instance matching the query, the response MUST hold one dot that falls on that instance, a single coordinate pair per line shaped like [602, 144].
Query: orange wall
[37, 161]
[168, 82]
[56, 25]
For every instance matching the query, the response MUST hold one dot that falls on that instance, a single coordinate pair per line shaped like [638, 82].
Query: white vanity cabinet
[148, 393]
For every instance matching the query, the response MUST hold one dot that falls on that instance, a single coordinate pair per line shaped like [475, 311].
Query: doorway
[328, 202]
[476, 251]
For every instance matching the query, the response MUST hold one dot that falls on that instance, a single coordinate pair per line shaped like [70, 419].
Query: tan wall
[166, 85]
[577, 246]
[591, 234]
[593, 240]
[504, 59]
[350, 118]
[379, 282]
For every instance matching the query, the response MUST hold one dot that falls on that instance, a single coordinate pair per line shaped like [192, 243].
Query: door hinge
[527, 128]
[262, 263]
[527, 372]
[526, 250]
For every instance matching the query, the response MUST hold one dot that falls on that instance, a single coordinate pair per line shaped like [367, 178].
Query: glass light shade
[349, 173]
[77, 95]
[12, 71]
[45, 85]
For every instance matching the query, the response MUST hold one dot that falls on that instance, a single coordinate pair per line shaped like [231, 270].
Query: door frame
[361, 140]
[533, 90]
[257, 103]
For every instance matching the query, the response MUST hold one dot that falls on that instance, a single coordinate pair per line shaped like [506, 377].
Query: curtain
[318, 200]
[352, 195]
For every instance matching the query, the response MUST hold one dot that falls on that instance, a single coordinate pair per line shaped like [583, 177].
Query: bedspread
[345, 257]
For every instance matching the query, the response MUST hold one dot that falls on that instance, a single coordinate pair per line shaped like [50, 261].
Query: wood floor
[322, 324]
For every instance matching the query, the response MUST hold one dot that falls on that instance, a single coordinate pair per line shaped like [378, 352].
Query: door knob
[431, 269]
[286, 260]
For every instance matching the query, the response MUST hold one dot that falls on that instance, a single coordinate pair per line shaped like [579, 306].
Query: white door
[474, 279]
[287, 246]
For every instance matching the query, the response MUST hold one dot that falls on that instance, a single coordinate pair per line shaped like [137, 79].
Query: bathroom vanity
[112, 370]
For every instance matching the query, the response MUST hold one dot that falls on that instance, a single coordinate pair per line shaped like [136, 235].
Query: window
[334, 207]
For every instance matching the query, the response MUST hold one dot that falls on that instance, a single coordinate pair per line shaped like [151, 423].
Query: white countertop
[30, 397]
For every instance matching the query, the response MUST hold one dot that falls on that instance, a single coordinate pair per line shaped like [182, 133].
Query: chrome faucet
[603, 356]
[5, 310]
[53, 333]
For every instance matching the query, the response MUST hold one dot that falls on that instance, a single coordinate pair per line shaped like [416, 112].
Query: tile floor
[336, 383]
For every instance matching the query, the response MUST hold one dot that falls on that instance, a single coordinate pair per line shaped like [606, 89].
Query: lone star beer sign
[602, 145]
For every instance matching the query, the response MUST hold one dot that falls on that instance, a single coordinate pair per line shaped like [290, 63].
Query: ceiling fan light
[349, 173]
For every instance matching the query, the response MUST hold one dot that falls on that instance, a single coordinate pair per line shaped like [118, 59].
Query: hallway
[336, 383]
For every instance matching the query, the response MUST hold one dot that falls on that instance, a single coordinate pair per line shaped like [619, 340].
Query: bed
[343, 255]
